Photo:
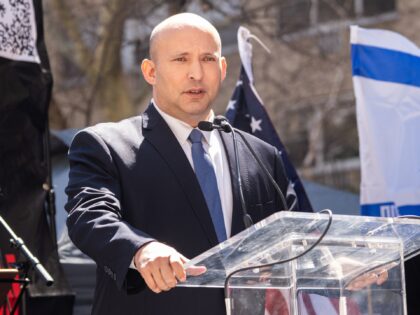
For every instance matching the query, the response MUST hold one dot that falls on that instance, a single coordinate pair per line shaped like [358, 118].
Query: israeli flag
[386, 77]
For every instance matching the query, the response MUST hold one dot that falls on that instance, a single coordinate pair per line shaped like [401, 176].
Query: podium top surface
[353, 246]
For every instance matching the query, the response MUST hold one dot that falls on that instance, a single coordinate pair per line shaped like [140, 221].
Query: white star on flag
[255, 124]
[231, 105]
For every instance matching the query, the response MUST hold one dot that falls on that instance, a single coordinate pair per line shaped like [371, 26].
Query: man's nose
[195, 71]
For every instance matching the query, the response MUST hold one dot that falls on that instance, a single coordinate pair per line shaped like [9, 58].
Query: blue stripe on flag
[388, 209]
[374, 210]
[385, 65]
[407, 210]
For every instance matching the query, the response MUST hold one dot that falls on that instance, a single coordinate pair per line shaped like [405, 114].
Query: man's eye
[209, 58]
[181, 59]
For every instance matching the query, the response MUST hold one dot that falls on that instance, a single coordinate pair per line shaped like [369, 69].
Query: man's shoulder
[255, 142]
[119, 128]
[114, 133]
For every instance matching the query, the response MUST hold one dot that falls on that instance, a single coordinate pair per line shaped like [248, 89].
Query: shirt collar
[182, 130]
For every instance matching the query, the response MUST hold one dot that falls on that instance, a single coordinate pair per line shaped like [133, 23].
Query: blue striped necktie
[207, 179]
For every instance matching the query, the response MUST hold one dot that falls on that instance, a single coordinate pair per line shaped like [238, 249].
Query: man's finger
[157, 276]
[382, 277]
[168, 275]
[177, 265]
[362, 281]
[150, 282]
[193, 270]
[196, 270]
[183, 258]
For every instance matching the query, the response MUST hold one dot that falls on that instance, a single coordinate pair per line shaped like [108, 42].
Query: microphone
[18, 243]
[221, 123]
[209, 126]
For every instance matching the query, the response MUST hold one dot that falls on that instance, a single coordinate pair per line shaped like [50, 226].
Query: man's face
[186, 72]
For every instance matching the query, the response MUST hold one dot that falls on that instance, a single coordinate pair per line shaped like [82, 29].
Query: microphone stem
[18, 243]
[246, 217]
[264, 168]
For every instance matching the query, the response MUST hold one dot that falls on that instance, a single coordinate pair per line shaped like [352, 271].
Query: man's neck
[191, 122]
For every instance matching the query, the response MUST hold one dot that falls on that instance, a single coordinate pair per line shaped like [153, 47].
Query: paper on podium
[353, 246]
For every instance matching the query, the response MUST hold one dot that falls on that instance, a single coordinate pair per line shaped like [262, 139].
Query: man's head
[186, 67]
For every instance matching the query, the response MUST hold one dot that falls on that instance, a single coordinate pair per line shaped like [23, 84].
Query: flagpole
[259, 41]
[50, 198]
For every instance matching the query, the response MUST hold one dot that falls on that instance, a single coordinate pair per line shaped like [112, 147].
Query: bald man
[138, 203]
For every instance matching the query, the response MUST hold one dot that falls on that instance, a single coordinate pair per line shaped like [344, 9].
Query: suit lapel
[237, 216]
[160, 136]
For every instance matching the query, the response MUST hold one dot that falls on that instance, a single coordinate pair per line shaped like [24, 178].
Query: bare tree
[302, 83]
[86, 39]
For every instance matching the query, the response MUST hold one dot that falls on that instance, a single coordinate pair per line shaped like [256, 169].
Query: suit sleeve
[95, 222]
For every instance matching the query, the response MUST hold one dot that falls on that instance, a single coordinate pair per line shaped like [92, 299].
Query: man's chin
[197, 108]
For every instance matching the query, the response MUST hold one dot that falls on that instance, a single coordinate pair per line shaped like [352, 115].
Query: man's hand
[375, 277]
[161, 266]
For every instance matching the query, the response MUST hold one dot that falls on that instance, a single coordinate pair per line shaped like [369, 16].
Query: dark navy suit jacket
[130, 183]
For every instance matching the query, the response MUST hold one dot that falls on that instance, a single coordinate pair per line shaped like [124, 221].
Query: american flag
[246, 112]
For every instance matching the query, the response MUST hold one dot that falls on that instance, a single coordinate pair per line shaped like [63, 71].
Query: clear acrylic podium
[354, 249]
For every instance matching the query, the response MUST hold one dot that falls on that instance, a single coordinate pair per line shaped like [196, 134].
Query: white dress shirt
[213, 145]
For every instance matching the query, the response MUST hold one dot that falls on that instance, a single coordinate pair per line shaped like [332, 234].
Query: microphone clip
[219, 123]
[223, 123]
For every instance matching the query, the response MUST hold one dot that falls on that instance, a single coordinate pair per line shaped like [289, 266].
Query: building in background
[305, 83]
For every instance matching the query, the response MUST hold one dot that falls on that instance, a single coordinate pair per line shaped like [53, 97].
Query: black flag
[25, 91]
[245, 111]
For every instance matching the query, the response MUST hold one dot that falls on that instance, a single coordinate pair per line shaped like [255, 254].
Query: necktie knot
[195, 136]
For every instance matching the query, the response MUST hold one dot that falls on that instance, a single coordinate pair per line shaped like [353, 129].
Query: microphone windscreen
[205, 126]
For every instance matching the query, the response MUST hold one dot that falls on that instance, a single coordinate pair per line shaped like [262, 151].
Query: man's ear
[223, 65]
[148, 70]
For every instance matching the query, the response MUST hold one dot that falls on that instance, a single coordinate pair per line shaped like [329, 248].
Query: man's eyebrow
[207, 53]
[177, 54]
